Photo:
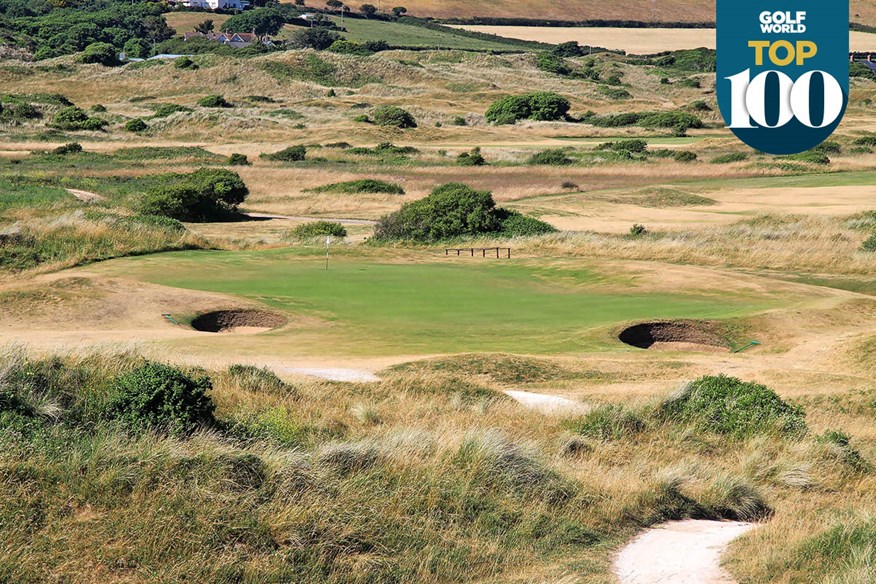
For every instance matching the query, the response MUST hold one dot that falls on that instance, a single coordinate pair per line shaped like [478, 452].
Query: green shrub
[185, 63]
[684, 156]
[157, 397]
[98, 109]
[214, 101]
[615, 93]
[671, 120]
[317, 229]
[451, 210]
[553, 157]
[346, 47]
[692, 82]
[390, 115]
[700, 106]
[473, 158]
[869, 244]
[810, 156]
[204, 195]
[136, 125]
[99, 53]
[136, 48]
[366, 185]
[552, 63]
[237, 159]
[167, 109]
[72, 118]
[608, 422]
[290, 154]
[868, 141]
[638, 230]
[362, 119]
[633, 146]
[71, 148]
[730, 158]
[458, 121]
[542, 106]
[515, 224]
[726, 405]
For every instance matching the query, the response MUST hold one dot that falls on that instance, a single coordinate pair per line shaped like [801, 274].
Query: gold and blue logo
[783, 71]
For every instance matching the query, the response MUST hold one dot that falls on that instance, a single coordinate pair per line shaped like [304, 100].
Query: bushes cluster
[205, 195]
[237, 159]
[551, 157]
[136, 125]
[540, 106]
[396, 117]
[869, 244]
[317, 229]
[636, 145]
[72, 118]
[365, 185]
[730, 158]
[157, 397]
[70, 148]
[290, 154]
[454, 210]
[726, 405]
[473, 158]
[675, 119]
[214, 101]
[168, 109]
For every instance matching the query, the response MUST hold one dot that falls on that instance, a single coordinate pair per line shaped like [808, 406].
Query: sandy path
[332, 373]
[86, 196]
[679, 552]
[546, 403]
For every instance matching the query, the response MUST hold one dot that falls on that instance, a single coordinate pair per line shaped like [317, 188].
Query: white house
[214, 4]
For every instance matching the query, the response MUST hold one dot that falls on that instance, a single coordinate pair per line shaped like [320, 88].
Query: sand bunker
[238, 321]
[696, 335]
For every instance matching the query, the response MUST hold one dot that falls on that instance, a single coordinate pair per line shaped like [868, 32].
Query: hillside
[862, 11]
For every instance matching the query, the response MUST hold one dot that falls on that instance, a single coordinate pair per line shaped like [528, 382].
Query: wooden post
[472, 252]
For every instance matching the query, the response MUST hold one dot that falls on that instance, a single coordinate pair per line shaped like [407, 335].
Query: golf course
[375, 297]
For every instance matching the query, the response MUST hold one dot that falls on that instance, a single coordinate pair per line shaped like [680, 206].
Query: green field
[374, 307]
[406, 35]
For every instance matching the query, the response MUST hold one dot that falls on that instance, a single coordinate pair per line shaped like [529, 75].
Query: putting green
[380, 305]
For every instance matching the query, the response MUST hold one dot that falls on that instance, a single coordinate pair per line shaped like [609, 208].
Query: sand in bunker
[679, 552]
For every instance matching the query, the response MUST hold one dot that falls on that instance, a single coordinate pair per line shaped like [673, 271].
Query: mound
[240, 320]
[676, 334]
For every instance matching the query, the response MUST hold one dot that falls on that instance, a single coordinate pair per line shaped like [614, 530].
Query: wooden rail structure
[483, 250]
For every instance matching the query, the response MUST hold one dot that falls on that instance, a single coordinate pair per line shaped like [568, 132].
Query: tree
[368, 10]
[136, 48]
[100, 53]
[205, 195]
[313, 38]
[334, 4]
[205, 27]
[265, 21]
[399, 11]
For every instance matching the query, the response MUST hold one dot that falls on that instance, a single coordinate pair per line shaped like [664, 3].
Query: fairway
[368, 307]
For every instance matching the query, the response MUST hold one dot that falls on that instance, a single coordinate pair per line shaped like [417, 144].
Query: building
[214, 4]
[238, 40]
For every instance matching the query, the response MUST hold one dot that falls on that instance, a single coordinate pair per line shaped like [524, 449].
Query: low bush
[633, 146]
[869, 244]
[72, 118]
[473, 158]
[458, 121]
[541, 106]
[362, 119]
[638, 230]
[615, 93]
[204, 195]
[237, 159]
[136, 125]
[290, 154]
[730, 158]
[366, 185]
[515, 224]
[684, 156]
[317, 229]
[214, 101]
[552, 63]
[99, 53]
[728, 406]
[396, 117]
[185, 63]
[454, 210]
[157, 397]
[810, 156]
[71, 148]
[868, 141]
[168, 109]
[552, 157]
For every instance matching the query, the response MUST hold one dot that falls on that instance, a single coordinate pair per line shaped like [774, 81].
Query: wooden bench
[483, 250]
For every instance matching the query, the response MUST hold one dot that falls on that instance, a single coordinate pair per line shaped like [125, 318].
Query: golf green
[385, 306]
